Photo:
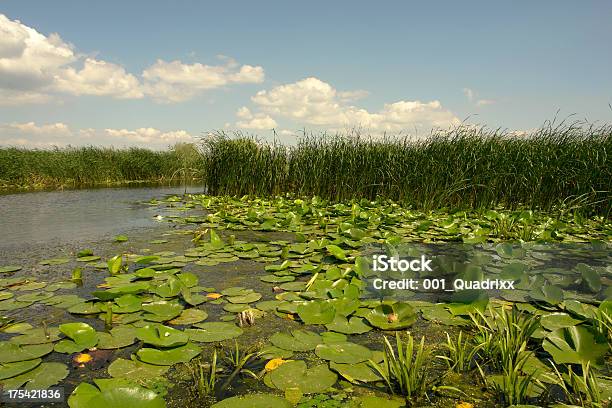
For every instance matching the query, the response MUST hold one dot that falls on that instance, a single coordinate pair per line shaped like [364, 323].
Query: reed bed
[565, 166]
[94, 165]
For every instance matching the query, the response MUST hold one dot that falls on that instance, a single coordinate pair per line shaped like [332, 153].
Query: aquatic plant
[582, 389]
[461, 353]
[204, 376]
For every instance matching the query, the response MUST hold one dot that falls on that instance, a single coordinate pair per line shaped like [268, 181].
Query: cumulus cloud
[313, 102]
[34, 66]
[258, 121]
[30, 134]
[175, 81]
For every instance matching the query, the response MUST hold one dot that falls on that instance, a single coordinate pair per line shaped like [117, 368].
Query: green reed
[21, 167]
[566, 167]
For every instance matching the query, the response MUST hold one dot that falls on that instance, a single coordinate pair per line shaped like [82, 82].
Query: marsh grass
[95, 165]
[580, 388]
[461, 353]
[566, 167]
[204, 377]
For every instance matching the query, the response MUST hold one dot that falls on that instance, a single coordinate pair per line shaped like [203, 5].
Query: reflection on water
[65, 216]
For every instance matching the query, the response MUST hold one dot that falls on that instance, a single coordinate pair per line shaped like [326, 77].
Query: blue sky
[152, 73]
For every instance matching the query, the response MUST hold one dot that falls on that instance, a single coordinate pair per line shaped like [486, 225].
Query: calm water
[69, 215]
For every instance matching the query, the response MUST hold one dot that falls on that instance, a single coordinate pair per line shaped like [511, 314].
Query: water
[75, 215]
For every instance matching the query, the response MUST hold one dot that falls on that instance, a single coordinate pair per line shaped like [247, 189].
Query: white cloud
[30, 134]
[175, 81]
[471, 96]
[313, 102]
[34, 67]
[258, 121]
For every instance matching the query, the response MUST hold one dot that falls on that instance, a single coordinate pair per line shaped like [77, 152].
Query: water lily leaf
[6, 295]
[84, 308]
[268, 305]
[360, 372]
[12, 304]
[371, 401]
[124, 396]
[439, 314]
[295, 374]
[236, 308]
[15, 328]
[254, 401]
[135, 370]
[213, 331]
[60, 285]
[167, 357]
[162, 310]
[316, 312]
[547, 293]
[590, 277]
[354, 325]
[276, 279]
[82, 336]
[43, 376]
[8, 370]
[249, 298]
[37, 336]
[271, 352]
[236, 291]
[11, 352]
[119, 337]
[55, 261]
[121, 238]
[575, 345]
[34, 297]
[336, 252]
[88, 258]
[343, 352]
[554, 321]
[171, 288]
[161, 336]
[392, 317]
[298, 340]
[189, 316]
[146, 259]
[10, 268]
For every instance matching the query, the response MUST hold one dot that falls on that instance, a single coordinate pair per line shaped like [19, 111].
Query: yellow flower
[214, 295]
[82, 358]
[464, 405]
[274, 364]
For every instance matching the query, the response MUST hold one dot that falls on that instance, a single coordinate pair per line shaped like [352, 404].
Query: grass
[204, 377]
[566, 167]
[95, 165]
[461, 353]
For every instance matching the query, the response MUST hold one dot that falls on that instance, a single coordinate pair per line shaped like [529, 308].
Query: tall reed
[553, 167]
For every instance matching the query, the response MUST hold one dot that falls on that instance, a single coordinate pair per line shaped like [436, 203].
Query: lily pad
[162, 310]
[82, 336]
[254, 401]
[298, 340]
[168, 357]
[249, 298]
[135, 370]
[360, 372]
[11, 352]
[161, 336]
[37, 336]
[124, 396]
[119, 337]
[189, 316]
[392, 317]
[213, 331]
[10, 268]
[295, 374]
[353, 325]
[575, 345]
[43, 376]
[343, 352]
[8, 370]
[554, 321]
[316, 312]
[55, 261]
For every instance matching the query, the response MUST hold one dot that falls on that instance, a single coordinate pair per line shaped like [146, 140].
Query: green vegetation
[564, 168]
[73, 166]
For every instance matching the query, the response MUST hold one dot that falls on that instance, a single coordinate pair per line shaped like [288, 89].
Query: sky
[152, 73]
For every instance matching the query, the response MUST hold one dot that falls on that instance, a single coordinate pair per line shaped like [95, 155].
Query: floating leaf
[554, 321]
[161, 336]
[392, 317]
[11, 352]
[343, 352]
[298, 340]
[43, 376]
[316, 312]
[249, 298]
[120, 395]
[135, 370]
[37, 336]
[189, 316]
[354, 325]
[295, 374]
[8, 370]
[254, 401]
[360, 372]
[213, 331]
[167, 357]
[575, 345]
[119, 337]
[82, 336]
[10, 268]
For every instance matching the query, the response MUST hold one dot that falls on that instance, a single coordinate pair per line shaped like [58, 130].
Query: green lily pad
[88, 258]
[84, 308]
[122, 395]
[43, 376]
[371, 401]
[547, 293]
[34, 297]
[316, 312]
[236, 308]
[575, 345]
[55, 261]
[254, 401]
[213, 331]
[135, 370]
[37, 336]
[162, 310]
[168, 357]
[392, 317]
[337, 252]
[355, 373]
[554, 321]
[10, 268]
[60, 285]
[590, 277]
[276, 279]
[270, 352]
[119, 337]
[298, 340]
[353, 325]
[249, 298]
[82, 336]
[8, 370]
[343, 352]
[11, 352]
[295, 374]
[161, 336]
[189, 316]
